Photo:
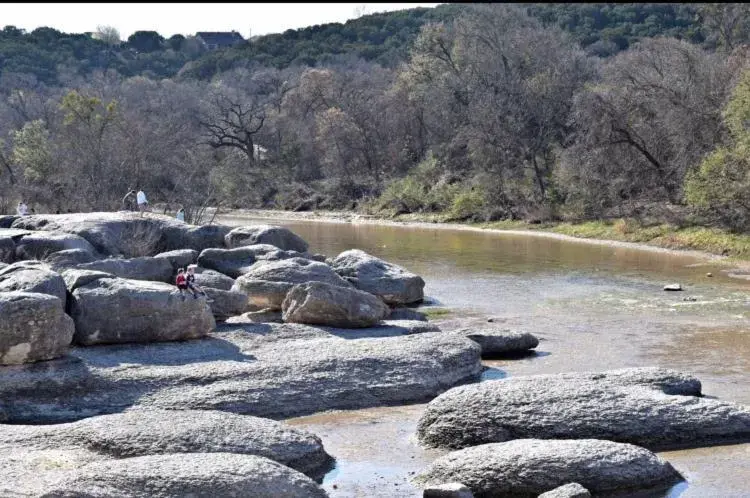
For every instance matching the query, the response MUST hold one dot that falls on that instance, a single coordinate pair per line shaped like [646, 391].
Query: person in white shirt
[140, 198]
[22, 209]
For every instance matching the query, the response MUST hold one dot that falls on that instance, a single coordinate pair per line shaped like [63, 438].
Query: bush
[468, 205]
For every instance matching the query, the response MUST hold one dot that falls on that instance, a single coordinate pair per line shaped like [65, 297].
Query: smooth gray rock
[570, 490]
[128, 234]
[225, 304]
[497, 341]
[32, 276]
[69, 258]
[144, 268]
[402, 313]
[652, 407]
[527, 467]
[319, 303]
[261, 316]
[197, 475]
[154, 432]
[75, 278]
[673, 287]
[7, 250]
[33, 328]
[267, 282]
[281, 237]
[265, 370]
[390, 282]
[448, 490]
[39, 245]
[118, 310]
[236, 262]
[179, 258]
[214, 279]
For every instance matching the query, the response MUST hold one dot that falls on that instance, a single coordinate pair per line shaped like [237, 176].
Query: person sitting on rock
[182, 284]
[190, 279]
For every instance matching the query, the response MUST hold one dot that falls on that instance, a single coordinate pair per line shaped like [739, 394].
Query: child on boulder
[190, 279]
[182, 284]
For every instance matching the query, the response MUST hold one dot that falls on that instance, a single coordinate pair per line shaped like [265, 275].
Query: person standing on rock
[181, 216]
[22, 209]
[127, 201]
[140, 198]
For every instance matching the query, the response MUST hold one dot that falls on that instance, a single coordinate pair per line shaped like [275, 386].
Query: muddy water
[594, 307]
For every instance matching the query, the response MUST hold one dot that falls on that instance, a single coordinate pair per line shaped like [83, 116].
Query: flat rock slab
[32, 276]
[498, 341]
[265, 370]
[524, 468]
[652, 407]
[197, 475]
[151, 432]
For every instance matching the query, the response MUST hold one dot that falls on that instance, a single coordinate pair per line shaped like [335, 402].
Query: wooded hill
[385, 38]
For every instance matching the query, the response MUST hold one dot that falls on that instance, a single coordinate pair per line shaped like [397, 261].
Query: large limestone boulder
[197, 475]
[144, 268]
[652, 407]
[179, 258]
[7, 250]
[32, 276]
[225, 304]
[75, 277]
[39, 245]
[128, 234]
[528, 467]
[154, 432]
[281, 237]
[267, 282]
[390, 282]
[213, 279]
[69, 258]
[319, 303]
[118, 310]
[237, 261]
[265, 370]
[33, 328]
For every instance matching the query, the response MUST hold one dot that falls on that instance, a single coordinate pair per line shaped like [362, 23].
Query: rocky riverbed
[113, 384]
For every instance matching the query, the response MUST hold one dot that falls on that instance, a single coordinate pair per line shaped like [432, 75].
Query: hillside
[383, 38]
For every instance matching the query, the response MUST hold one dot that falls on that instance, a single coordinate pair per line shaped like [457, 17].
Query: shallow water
[594, 307]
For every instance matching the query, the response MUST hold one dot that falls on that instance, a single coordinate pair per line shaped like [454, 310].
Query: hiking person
[181, 215]
[128, 202]
[22, 209]
[140, 198]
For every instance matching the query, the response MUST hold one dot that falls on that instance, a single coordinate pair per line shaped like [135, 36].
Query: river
[594, 307]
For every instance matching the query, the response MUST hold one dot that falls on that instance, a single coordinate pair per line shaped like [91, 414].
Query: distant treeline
[490, 111]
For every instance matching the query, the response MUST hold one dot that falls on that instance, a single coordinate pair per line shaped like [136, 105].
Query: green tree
[721, 184]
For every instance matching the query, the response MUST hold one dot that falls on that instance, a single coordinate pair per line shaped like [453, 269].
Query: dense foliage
[491, 111]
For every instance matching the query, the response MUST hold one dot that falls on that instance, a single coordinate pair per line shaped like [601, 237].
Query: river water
[594, 307]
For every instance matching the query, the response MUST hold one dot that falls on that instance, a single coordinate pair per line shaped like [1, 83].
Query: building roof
[220, 37]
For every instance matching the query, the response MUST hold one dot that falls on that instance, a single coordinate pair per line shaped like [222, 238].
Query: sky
[188, 18]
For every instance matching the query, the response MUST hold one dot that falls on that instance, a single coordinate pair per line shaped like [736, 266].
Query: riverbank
[714, 244]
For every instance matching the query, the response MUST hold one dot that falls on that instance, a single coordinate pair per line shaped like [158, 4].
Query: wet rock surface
[267, 370]
[151, 432]
[319, 303]
[267, 282]
[118, 310]
[528, 467]
[33, 328]
[652, 407]
[185, 474]
[390, 282]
